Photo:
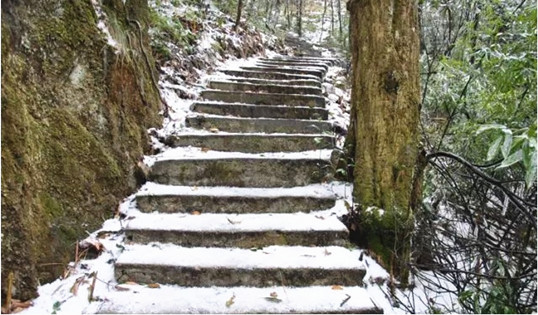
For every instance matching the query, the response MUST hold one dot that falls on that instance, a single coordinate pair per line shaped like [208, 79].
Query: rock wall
[76, 104]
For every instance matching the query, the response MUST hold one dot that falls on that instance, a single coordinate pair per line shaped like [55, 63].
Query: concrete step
[234, 300]
[237, 230]
[266, 75]
[292, 64]
[252, 143]
[303, 71]
[206, 267]
[267, 125]
[307, 82]
[242, 170]
[266, 88]
[257, 111]
[264, 98]
[186, 199]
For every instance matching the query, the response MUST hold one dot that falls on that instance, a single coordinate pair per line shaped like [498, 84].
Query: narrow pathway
[235, 222]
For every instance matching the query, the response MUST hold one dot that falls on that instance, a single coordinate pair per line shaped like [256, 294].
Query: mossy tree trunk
[386, 105]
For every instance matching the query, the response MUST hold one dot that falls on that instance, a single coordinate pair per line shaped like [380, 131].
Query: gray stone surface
[265, 88]
[264, 98]
[258, 111]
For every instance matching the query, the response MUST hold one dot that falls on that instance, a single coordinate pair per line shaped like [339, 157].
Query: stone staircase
[233, 225]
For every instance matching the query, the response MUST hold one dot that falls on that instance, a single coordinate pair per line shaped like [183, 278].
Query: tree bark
[300, 18]
[386, 105]
[323, 20]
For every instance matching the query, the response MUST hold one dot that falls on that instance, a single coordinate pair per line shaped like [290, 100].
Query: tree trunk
[323, 20]
[239, 9]
[339, 8]
[332, 18]
[300, 18]
[386, 103]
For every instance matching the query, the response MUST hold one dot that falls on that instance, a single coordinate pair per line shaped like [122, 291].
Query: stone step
[205, 267]
[235, 300]
[293, 64]
[267, 88]
[267, 125]
[322, 63]
[307, 82]
[237, 230]
[264, 98]
[303, 71]
[252, 143]
[266, 75]
[243, 170]
[258, 111]
[186, 199]
[330, 61]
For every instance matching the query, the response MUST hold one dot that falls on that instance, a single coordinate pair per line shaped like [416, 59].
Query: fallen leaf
[273, 295]
[195, 212]
[78, 282]
[205, 149]
[274, 298]
[230, 301]
[214, 130]
[337, 287]
[120, 288]
[130, 283]
[320, 217]
[194, 188]
[154, 285]
[327, 253]
[233, 222]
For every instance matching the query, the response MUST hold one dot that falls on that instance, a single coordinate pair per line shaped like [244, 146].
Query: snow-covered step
[237, 230]
[323, 64]
[258, 111]
[303, 71]
[187, 199]
[255, 143]
[269, 266]
[331, 61]
[242, 171]
[265, 88]
[307, 82]
[264, 98]
[260, 74]
[267, 125]
[293, 65]
[170, 299]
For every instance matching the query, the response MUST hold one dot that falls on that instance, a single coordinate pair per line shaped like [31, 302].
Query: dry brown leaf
[320, 217]
[205, 149]
[233, 222]
[337, 287]
[78, 282]
[195, 212]
[273, 294]
[230, 301]
[214, 130]
[154, 285]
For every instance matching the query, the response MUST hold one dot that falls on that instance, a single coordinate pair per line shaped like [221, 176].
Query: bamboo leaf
[494, 148]
[512, 159]
[507, 144]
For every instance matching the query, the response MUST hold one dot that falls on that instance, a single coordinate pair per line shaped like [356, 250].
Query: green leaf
[494, 148]
[530, 174]
[507, 144]
[512, 159]
[489, 127]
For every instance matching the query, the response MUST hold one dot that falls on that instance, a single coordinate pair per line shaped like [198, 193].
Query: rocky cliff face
[78, 94]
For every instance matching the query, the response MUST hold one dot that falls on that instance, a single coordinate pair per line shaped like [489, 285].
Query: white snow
[214, 222]
[293, 257]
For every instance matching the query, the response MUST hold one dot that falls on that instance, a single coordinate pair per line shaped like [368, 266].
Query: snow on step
[303, 71]
[166, 198]
[170, 299]
[253, 143]
[258, 111]
[237, 230]
[307, 82]
[260, 74]
[296, 66]
[268, 125]
[264, 98]
[274, 265]
[266, 88]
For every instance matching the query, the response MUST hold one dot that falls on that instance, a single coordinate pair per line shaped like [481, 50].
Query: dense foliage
[477, 228]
